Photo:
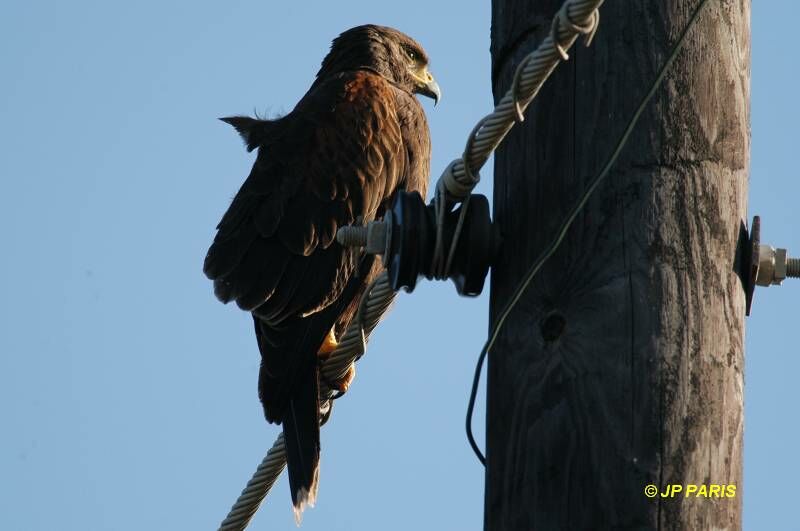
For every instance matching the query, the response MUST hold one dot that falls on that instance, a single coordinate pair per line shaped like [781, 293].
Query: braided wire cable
[576, 17]
[257, 488]
[376, 301]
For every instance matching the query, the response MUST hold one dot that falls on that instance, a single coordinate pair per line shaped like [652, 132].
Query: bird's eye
[411, 55]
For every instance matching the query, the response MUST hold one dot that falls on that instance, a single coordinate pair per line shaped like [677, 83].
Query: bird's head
[390, 53]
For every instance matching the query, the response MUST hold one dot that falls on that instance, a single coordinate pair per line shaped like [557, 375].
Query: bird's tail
[254, 132]
[301, 435]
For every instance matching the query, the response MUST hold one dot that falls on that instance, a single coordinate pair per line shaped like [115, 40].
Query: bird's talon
[329, 345]
[344, 384]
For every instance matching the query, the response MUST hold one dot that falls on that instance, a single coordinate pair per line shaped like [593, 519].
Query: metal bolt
[352, 236]
[373, 236]
[774, 266]
[763, 265]
[793, 267]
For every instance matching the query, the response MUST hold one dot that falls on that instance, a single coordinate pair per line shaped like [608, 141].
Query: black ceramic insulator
[412, 238]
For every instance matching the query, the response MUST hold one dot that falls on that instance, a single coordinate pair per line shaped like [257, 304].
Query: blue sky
[128, 394]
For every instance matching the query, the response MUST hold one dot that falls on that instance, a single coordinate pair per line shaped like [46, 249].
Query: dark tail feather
[301, 435]
[253, 131]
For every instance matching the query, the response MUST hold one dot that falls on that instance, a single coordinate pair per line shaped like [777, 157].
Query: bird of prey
[357, 137]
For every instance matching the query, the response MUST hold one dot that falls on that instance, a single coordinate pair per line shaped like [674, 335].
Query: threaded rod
[793, 267]
[352, 236]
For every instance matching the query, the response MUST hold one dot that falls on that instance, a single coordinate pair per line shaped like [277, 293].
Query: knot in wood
[553, 326]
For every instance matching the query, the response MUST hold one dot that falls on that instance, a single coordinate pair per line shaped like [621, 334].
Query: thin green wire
[562, 232]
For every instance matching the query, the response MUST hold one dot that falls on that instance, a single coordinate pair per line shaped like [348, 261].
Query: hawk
[357, 137]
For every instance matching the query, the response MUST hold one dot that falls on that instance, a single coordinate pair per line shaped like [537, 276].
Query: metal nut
[771, 266]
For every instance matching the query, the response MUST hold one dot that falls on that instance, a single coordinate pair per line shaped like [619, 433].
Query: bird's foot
[329, 344]
[344, 383]
[327, 348]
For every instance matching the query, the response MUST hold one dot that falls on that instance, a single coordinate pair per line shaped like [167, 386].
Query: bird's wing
[338, 156]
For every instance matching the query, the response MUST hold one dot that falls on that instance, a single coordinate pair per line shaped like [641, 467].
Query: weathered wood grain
[622, 365]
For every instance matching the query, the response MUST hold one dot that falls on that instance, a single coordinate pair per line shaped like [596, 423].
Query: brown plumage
[356, 138]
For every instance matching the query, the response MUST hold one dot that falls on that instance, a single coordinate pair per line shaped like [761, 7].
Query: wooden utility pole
[622, 364]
